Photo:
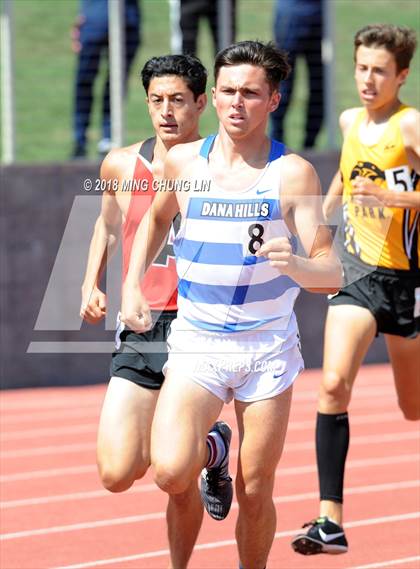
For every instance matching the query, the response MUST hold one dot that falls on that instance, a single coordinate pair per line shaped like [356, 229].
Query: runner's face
[173, 110]
[376, 75]
[242, 99]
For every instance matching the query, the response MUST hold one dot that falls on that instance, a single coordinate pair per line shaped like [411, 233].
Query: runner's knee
[116, 478]
[334, 389]
[171, 478]
[253, 490]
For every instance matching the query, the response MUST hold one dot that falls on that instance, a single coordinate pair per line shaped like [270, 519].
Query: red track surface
[54, 512]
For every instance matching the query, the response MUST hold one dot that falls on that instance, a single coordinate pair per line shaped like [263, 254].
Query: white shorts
[246, 366]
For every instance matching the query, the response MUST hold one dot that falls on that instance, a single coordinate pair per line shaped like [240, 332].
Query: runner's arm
[104, 241]
[149, 238]
[334, 196]
[321, 271]
[364, 190]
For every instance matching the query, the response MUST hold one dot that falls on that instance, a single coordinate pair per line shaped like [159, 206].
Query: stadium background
[45, 67]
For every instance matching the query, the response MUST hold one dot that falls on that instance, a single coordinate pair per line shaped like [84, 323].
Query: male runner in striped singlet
[242, 201]
[175, 88]
[379, 183]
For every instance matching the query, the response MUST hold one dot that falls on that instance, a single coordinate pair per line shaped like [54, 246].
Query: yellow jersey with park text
[380, 236]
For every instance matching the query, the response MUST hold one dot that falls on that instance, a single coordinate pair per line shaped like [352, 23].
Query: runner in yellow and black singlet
[380, 236]
[378, 186]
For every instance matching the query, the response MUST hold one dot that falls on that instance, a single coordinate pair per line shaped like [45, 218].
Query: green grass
[45, 68]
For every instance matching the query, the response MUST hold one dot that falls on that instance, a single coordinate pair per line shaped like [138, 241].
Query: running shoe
[216, 485]
[323, 536]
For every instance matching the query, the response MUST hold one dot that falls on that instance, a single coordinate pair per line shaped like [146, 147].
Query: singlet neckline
[276, 151]
[362, 116]
[147, 149]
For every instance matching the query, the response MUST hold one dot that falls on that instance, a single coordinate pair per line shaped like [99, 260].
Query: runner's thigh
[404, 354]
[125, 425]
[184, 414]
[349, 331]
[262, 429]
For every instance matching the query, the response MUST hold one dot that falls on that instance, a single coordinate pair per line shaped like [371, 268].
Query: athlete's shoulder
[348, 117]
[118, 160]
[408, 112]
[299, 175]
[410, 119]
[294, 163]
[410, 130]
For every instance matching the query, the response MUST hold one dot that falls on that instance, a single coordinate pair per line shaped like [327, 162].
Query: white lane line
[51, 449]
[362, 392]
[289, 447]
[387, 412]
[48, 473]
[230, 542]
[82, 526]
[88, 396]
[393, 486]
[388, 563]
[7, 435]
[305, 469]
[143, 488]
[92, 411]
[361, 440]
[49, 432]
[354, 420]
[140, 489]
[77, 398]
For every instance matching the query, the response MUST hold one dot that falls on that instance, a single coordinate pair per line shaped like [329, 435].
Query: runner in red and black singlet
[175, 87]
[160, 282]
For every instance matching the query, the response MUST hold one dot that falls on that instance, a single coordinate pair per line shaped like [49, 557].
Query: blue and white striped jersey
[223, 286]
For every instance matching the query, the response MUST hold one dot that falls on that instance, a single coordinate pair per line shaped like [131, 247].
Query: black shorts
[141, 357]
[389, 295]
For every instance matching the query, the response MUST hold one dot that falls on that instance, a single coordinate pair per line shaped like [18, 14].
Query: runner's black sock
[332, 443]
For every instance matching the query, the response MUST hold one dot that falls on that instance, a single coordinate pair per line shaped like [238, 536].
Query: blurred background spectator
[191, 13]
[43, 72]
[298, 30]
[90, 41]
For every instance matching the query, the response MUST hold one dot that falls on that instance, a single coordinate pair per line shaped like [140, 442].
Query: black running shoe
[323, 536]
[216, 484]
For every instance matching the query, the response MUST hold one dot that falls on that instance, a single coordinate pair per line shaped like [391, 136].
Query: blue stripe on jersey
[206, 146]
[231, 326]
[234, 210]
[235, 295]
[277, 149]
[214, 253]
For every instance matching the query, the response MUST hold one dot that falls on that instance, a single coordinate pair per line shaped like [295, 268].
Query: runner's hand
[135, 312]
[367, 193]
[93, 307]
[280, 254]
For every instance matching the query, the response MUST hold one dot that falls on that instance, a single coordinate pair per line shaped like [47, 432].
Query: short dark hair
[188, 67]
[266, 55]
[398, 40]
